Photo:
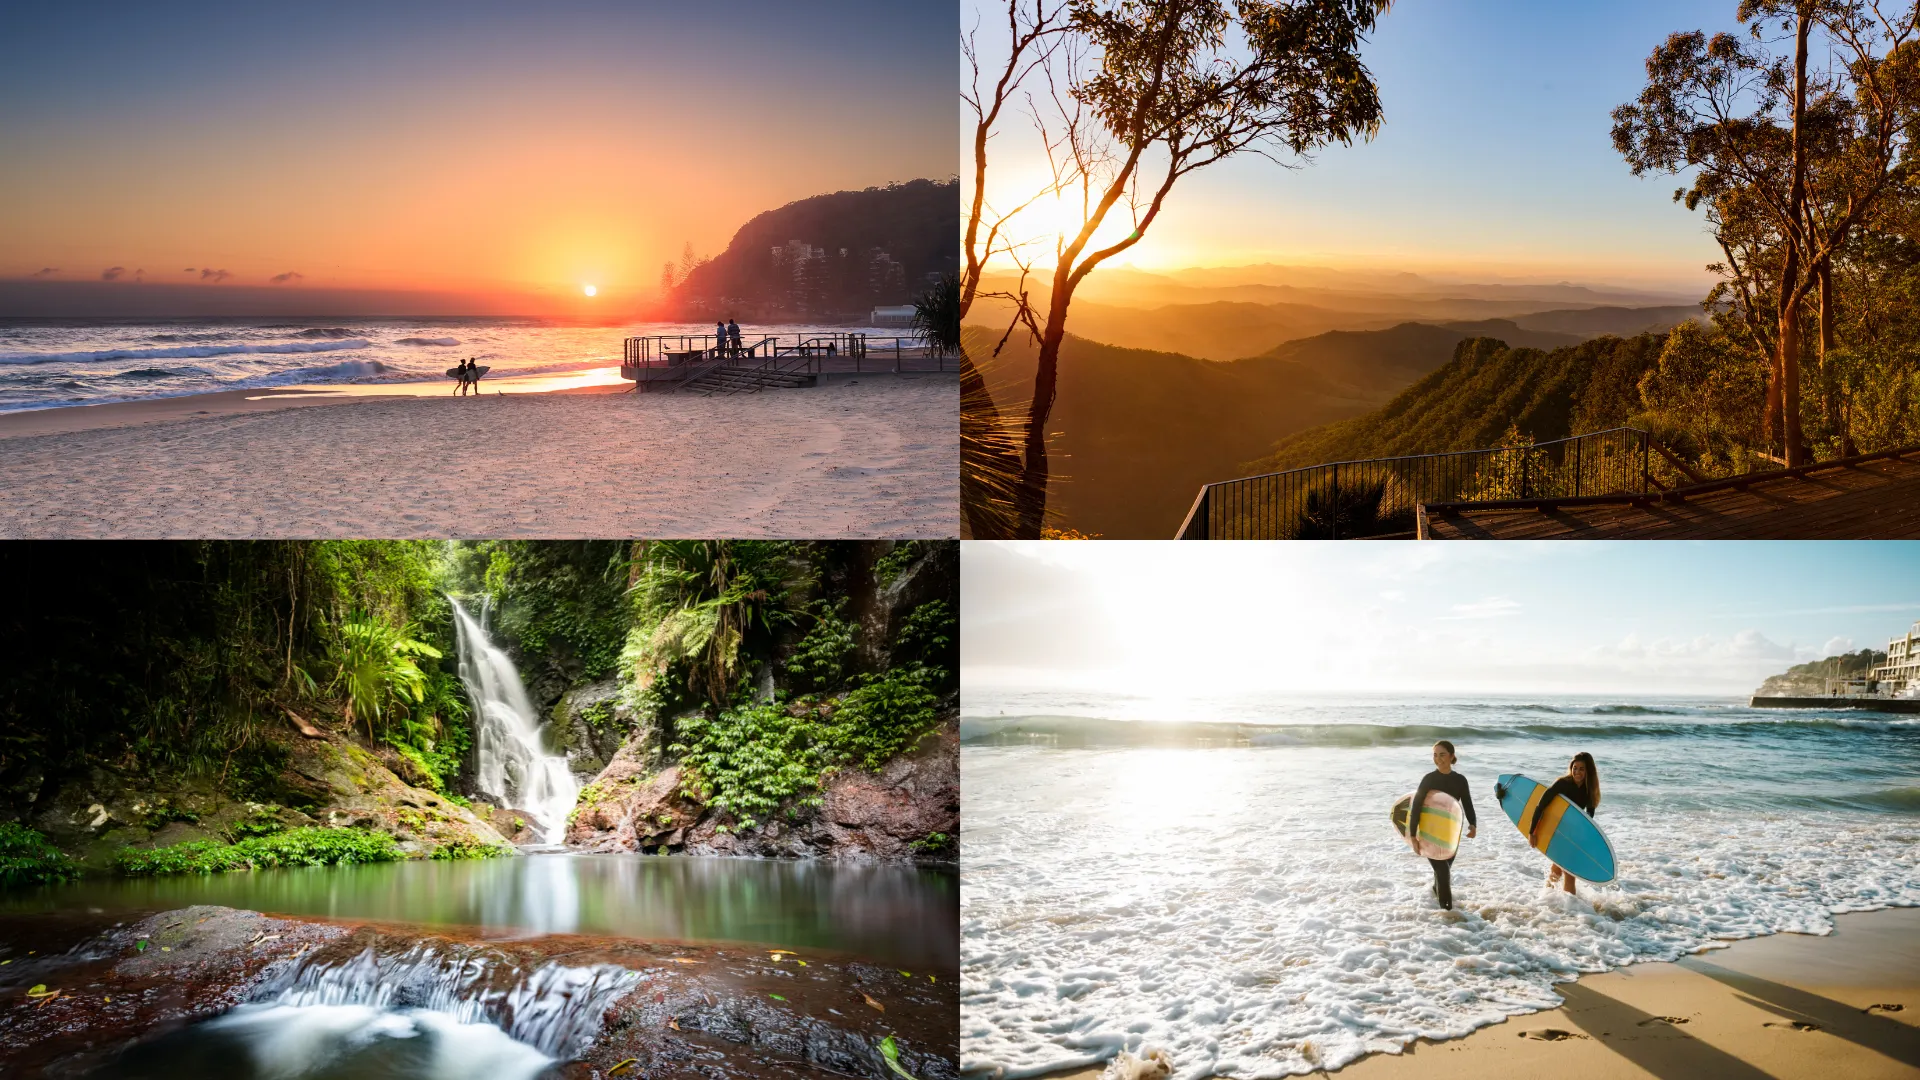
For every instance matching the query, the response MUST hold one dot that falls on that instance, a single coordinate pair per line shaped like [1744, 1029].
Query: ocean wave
[344, 371]
[426, 341]
[1081, 732]
[195, 351]
[144, 373]
[190, 337]
[335, 332]
[1633, 710]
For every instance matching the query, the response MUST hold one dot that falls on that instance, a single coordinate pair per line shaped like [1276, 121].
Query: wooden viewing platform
[704, 364]
[1869, 497]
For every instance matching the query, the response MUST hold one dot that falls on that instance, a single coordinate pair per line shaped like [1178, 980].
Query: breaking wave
[173, 352]
[426, 341]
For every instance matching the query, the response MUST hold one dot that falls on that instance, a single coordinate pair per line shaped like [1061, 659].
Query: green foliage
[885, 715]
[26, 858]
[1485, 390]
[708, 606]
[553, 600]
[466, 847]
[819, 660]
[887, 568]
[312, 846]
[261, 822]
[747, 761]
[933, 841]
[375, 666]
[930, 635]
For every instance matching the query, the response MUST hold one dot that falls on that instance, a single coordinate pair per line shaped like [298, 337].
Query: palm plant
[703, 599]
[936, 315]
[374, 664]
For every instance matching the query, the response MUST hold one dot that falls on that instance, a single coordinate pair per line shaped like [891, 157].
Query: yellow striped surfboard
[1441, 823]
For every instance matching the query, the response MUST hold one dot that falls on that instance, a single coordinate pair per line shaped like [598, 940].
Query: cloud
[282, 279]
[215, 276]
[1491, 608]
[1836, 646]
[112, 273]
[45, 272]
[139, 275]
[188, 270]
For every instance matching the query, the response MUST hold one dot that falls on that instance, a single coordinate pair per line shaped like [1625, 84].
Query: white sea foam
[1252, 911]
[175, 351]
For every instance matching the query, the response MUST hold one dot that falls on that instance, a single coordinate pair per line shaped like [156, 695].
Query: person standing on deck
[719, 338]
[1442, 778]
[733, 336]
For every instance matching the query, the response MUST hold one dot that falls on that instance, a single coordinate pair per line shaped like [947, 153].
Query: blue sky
[1495, 157]
[1156, 617]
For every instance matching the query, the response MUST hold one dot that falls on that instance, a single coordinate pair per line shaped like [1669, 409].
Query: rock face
[909, 811]
[163, 971]
[587, 725]
[329, 780]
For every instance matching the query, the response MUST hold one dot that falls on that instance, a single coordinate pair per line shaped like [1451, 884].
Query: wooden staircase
[726, 380]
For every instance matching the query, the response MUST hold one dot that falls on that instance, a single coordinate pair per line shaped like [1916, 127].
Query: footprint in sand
[1883, 1008]
[1551, 1035]
[1797, 1025]
[1663, 1020]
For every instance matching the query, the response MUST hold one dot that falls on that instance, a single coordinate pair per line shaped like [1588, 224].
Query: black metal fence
[1378, 497]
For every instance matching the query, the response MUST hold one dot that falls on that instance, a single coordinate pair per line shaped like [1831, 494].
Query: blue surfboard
[1566, 835]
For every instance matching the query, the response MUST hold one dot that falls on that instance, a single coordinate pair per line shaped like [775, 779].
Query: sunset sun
[589, 289]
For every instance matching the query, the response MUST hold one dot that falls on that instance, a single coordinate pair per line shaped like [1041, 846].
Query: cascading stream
[512, 764]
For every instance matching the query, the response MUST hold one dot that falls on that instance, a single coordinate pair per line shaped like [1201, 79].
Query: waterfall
[513, 767]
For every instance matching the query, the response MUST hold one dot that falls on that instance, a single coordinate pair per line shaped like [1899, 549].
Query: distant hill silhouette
[1471, 401]
[840, 255]
[1140, 431]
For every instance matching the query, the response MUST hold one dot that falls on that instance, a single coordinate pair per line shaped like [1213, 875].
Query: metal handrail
[1381, 496]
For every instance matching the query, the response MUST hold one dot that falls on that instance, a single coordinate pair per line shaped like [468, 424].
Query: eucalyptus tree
[1789, 159]
[1145, 92]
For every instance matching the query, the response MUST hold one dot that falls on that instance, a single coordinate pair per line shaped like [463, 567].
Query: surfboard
[1439, 824]
[1567, 836]
[454, 372]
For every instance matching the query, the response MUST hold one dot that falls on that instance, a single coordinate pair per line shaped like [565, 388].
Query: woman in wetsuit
[1442, 778]
[1581, 786]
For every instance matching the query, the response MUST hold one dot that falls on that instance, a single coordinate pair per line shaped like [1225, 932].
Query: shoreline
[1728, 1012]
[864, 454]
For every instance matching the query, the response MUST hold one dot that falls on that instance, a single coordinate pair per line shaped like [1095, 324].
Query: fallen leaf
[776, 997]
[908, 974]
[932, 979]
[680, 960]
[803, 963]
[874, 1003]
[140, 946]
[891, 1052]
[38, 990]
[672, 1023]
[623, 1066]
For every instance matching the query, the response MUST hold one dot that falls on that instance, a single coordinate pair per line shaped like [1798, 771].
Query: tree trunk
[1790, 293]
[1033, 482]
[1829, 379]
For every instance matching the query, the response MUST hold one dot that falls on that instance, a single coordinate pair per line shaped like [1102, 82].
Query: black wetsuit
[1455, 785]
[1576, 794]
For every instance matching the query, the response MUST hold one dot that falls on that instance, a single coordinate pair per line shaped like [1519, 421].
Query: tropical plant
[936, 315]
[374, 664]
[700, 601]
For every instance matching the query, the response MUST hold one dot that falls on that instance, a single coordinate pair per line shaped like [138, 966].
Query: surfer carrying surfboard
[1581, 786]
[1442, 778]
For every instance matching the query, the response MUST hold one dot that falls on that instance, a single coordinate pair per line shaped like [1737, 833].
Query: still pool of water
[892, 915]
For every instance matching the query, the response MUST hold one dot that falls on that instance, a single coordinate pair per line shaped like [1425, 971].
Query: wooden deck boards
[1875, 498]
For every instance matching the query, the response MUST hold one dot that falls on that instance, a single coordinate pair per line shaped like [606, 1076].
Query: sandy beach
[1784, 1006]
[865, 455]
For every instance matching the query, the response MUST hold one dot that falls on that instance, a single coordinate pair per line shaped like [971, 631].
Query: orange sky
[501, 153]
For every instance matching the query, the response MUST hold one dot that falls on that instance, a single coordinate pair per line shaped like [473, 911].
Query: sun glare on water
[589, 289]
